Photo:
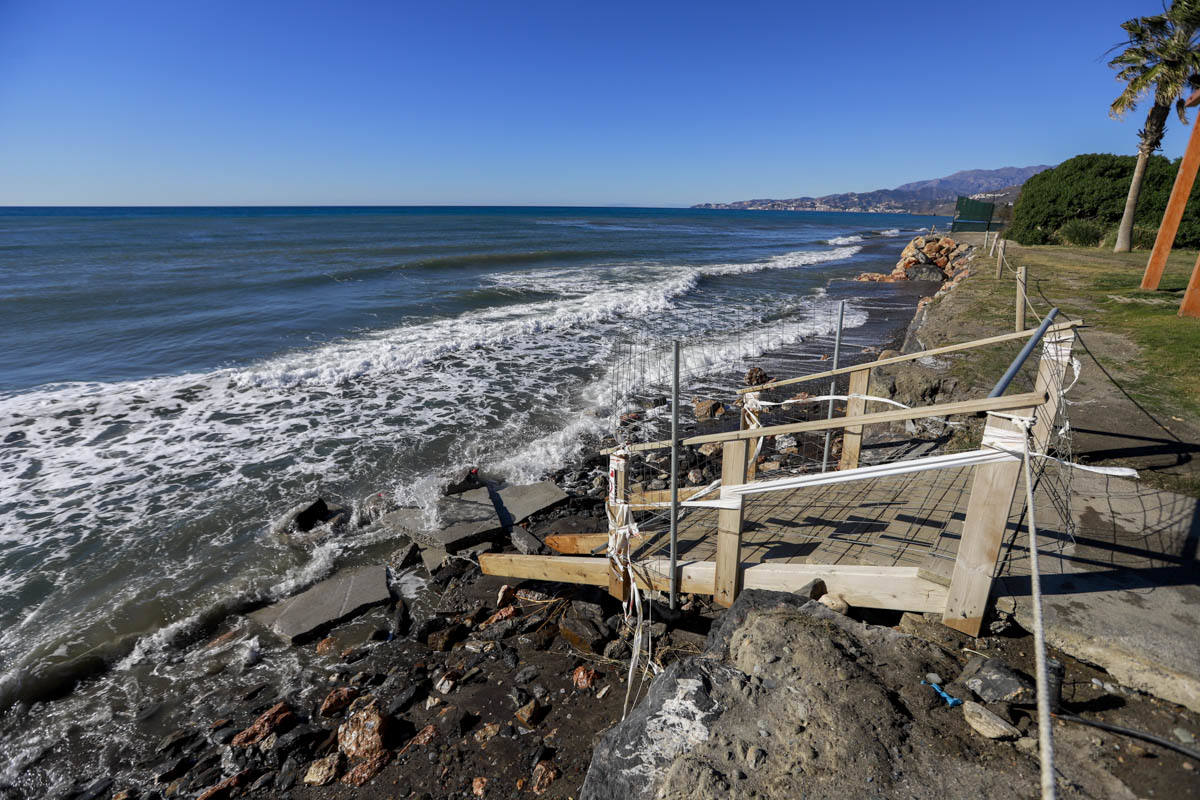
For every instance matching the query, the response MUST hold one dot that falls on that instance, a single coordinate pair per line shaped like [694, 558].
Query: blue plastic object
[950, 700]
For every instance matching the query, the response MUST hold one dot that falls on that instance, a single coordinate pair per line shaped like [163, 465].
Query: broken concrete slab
[518, 503]
[1123, 590]
[466, 519]
[326, 604]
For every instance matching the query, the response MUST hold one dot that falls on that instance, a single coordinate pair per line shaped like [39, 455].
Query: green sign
[972, 215]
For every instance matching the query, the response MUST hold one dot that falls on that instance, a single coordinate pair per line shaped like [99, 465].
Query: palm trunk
[1125, 232]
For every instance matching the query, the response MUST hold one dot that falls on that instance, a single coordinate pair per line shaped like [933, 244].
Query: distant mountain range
[935, 196]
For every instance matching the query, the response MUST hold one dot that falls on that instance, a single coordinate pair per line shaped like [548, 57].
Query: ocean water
[172, 380]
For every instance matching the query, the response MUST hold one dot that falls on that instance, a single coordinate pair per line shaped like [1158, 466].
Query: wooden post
[992, 490]
[1052, 372]
[860, 383]
[992, 249]
[751, 461]
[1180, 192]
[1190, 307]
[618, 470]
[727, 578]
[1000, 260]
[1022, 274]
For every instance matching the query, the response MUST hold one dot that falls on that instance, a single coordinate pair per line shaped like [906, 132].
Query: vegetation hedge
[1093, 188]
[1081, 232]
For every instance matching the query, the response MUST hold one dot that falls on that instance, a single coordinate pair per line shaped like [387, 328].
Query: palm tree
[1161, 55]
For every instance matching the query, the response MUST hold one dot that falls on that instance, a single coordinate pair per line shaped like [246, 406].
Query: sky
[203, 102]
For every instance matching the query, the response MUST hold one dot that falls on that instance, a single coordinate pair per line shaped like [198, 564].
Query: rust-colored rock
[580, 634]
[544, 774]
[365, 770]
[707, 409]
[361, 736]
[486, 732]
[337, 701]
[508, 612]
[479, 786]
[326, 646]
[529, 714]
[323, 770]
[422, 738]
[756, 376]
[225, 788]
[583, 677]
[505, 596]
[273, 719]
[443, 639]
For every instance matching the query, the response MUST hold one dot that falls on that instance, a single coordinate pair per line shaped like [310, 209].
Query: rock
[323, 770]
[479, 786]
[398, 704]
[525, 675]
[470, 480]
[581, 634]
[447, 681]
[756, 376]
[175, 768]
[709, 449]
[526, 542]
[326, 646]
[487, 732]
[445, 638]
[277, 718]
[505, 596]
[404, 556]
[434, 558]
[925, 273]
[361, 736]
[707, 409]
[695, 477]
[375, 506]
[544, 774]
[986, 723]
[310, 516]
[226, 788]
[993, 681]
[529, 714]
[366, 769]
[835, 602]
[515, 504]
[583, 677]
[330, 602]
[337, 700]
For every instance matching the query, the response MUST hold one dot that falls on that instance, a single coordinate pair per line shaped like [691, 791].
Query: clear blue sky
[176, 102]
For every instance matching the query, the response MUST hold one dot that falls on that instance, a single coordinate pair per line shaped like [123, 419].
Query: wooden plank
[576, 543]
[1051, 377]
[992, 490]
[618, 579]
[568, 569]
[936, 351]
[729, 526]
[860, 383]
[1190, 307]
[1005, 403]
[897, 588]
[644, 501]
[1173, 214]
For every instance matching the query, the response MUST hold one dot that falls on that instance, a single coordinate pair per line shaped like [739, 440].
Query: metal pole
[675, 481]
[1015, 366]
[837, 347]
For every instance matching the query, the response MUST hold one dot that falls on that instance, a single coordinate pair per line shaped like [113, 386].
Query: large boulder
[790, 699]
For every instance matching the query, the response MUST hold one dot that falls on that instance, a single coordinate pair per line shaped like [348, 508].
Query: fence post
[728, 576]
[618, 469]
[675, 477]
[992, 490]
[1000, 259]
[860, 383]
[992, 249]
[1022, 274]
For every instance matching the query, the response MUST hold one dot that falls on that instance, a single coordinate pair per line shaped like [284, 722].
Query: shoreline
[191, 640]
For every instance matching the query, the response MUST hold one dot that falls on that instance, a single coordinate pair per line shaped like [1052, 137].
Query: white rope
[755, 403]
[1045, 734]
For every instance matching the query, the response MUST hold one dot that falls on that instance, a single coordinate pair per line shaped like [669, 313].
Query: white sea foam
[799, 258]
[853, 238]
[890, 232]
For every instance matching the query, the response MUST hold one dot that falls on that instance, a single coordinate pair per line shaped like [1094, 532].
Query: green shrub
[1093, 188]
[1081, 233]
[1141, 238]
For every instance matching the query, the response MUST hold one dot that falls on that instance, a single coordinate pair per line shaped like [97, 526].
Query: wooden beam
[897, 588]
[1180, 192]
[860, 383]
[1190, 307]
[576, 543]
[1005, 403]
[644, 501]
[729, 526]
[992, 490]
[618, 473]
[936, 351]
[1051, 377]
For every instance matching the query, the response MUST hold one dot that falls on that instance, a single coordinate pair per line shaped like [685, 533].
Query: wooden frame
[962, 599]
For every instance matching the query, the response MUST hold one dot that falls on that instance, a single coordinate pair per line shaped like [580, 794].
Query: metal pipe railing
[1015, 367]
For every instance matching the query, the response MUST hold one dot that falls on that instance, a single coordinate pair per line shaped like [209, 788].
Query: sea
[172, 380]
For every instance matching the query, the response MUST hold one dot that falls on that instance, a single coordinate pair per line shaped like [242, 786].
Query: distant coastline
[932, 197]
